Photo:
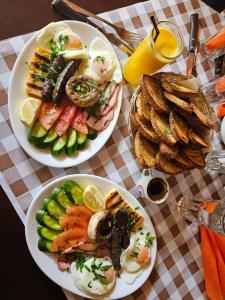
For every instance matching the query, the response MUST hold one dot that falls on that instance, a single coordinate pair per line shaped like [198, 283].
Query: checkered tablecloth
[178, 270]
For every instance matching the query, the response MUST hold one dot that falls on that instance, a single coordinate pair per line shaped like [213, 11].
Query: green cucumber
[50, 138]
[44, 219]
[53, 208]
[59, 145]
[74, 191]
[37, 133]
[81, 140]
[47, 233]
[92, 134]
[61, 197]
[71, 145]
[44, 245]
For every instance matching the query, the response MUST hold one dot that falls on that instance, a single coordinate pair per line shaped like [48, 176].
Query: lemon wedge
[28, 111]
[93, 198]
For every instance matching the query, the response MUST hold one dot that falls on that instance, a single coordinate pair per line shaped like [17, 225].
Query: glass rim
[179, 34]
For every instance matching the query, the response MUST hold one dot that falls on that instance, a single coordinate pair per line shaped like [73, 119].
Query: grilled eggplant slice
[160, 124]
[168, 151]
[196, 156]
[148, 151]
[167, 166]
[137, 149]
[179, 127]
[179, 102]
[178, 90]
[153, 88]
[146, 130]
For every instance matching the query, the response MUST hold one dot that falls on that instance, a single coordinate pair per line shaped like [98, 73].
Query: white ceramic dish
[47, 262]
[17, 94]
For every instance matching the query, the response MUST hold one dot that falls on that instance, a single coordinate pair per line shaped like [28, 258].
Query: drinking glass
[209, 213]
[216, 161]
[214, 91]
[209, 53]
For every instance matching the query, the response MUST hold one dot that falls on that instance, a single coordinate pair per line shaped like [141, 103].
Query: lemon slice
[93, 198]
[28, 111]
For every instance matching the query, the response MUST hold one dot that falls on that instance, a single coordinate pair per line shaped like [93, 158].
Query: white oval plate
[17, 94]
[48, 262]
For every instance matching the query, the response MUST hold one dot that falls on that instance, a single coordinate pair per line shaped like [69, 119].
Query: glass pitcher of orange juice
[152, 55]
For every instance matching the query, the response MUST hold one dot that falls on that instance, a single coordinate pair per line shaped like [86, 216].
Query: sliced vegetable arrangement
[72, 90]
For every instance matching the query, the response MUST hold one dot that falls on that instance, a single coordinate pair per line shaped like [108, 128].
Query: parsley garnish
[56, 47]
[100, 59]
[136, 208]
[80, 262]
[37, 77]
[149, 240]
[89, 284]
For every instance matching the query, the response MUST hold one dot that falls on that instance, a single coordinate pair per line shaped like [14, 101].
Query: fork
[128, 36]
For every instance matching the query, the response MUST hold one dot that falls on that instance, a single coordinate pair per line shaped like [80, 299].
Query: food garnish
[29, 109]
[93, 198]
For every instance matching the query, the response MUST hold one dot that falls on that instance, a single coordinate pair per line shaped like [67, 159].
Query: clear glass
[151, 56]
[214, 91]
[211, 54]
[216, 161]
[209, 213]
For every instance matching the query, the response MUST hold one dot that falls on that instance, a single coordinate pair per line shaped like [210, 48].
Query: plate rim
[29, 151]
[52, 183]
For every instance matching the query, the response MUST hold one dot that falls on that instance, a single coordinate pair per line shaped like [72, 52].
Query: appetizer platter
[170, 124]
[65, 94]
[72, 231]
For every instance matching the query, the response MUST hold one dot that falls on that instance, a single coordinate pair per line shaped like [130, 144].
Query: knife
[64, 9]
[192, 45]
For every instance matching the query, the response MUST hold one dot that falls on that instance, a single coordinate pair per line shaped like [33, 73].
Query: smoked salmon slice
[216, 42]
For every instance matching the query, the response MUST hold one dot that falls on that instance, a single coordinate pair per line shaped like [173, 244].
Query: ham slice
[112, 101]
[104, 121]
[65, 119]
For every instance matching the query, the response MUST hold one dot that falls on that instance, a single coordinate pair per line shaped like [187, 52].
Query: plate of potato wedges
[170, 123]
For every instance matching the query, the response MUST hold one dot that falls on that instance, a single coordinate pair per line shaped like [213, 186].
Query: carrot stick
[216, 42]
[220, 239]
[220, 110]
[220, 85]
[212, 281]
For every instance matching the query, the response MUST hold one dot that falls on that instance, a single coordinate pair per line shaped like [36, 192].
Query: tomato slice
[49, 113]
[65, 119]
[79, 122]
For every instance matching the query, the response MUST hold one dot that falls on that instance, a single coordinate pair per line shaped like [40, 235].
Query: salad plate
[18, 89]
[47, 262]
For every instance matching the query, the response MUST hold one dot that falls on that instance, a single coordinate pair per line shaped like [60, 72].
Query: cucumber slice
[47, 233]
[74, 191]
[44, 245]
[37, 133]
[59, 145]
[50, 138]
[53, 208]
[71, 145]
[81, 140]
[61, 197]
[44, 219]
[92, 134]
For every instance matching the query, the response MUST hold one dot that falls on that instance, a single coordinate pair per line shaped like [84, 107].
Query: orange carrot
[220, 110]
[216, 42]
[220, 239]
[212, 281]
[220, 85]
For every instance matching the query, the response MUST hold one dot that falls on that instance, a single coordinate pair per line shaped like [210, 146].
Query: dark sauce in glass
[156, 189]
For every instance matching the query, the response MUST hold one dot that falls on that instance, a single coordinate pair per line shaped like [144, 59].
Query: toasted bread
[167, 166]
[145, 103]
[196, 138]
[160, 124]
[169, 76]
[179, 127]
[148, 151]
[178, 90]
[168, 151]
[114, 202]
[139, 107]
[137, 149]
[134, 122]
[146, 130]
[183, 162]
[196, 156]
[179, 102]
[205, 120]
[153, 88]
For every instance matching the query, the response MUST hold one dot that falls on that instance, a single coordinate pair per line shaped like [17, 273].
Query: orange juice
[150, 56]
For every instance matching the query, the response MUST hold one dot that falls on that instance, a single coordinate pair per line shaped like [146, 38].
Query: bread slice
[196, 138]
[145, 103]
[178, 90]
[146, 129]
[139, 107]
[168, 151]
[114, 202]
[169, 76]
[137, 149]
[160, 124]
[196, 156]
[205, 120]
[153, 88]
[179, 127]
[183, 162]
[134, 122]
[148, 151]
[167, 166]
[179, 102]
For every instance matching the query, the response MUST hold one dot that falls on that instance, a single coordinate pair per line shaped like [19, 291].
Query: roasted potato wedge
[168, 151]
[160, 124]
[145, 103]
[139, 107]
[183, 162]
[179, 127]
[148, 151]
[167, 166]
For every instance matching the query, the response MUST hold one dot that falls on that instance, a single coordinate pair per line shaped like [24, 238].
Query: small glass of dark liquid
[157, 189]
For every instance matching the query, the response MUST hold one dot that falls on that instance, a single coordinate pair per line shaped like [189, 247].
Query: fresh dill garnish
[87, 268]
[100, 277]
[136, 208]
[100, 59]
[80, 260]
[105, 268]
[149, 240]
[89, 284]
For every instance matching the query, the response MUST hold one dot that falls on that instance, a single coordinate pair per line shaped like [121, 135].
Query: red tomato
[49, 113]
[65, 119]
[79, 122]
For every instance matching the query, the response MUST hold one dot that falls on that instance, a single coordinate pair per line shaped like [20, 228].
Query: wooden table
[19, 275]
